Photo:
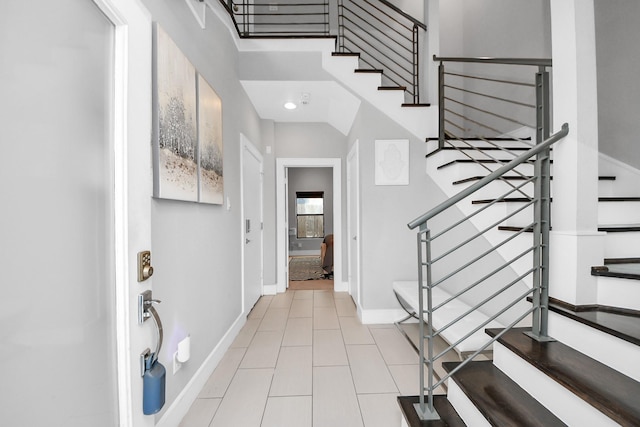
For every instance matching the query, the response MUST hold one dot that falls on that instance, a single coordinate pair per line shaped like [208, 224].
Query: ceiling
[327, 102]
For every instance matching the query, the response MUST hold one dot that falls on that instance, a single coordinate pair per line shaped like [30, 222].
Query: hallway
[304, 359]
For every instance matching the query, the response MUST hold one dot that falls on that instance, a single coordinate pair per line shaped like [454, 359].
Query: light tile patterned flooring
[304, 359]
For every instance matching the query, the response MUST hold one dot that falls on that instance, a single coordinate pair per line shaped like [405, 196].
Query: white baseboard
[270, 289]
[340, 286]
[388, 316]
[180, 406]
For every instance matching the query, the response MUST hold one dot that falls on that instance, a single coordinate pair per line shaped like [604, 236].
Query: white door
[353, 227]
[57, 310]
[252, 225]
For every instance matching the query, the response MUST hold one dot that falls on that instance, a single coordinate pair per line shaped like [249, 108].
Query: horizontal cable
[368, 12]
[485, 207]
[499, 132]
[373, 56]
[509, 119]
[487, 79]
[486, 345]
[370, 33]
[477, 282]
[483, 302]
[385, 23]
[486, 154]
[497, 98]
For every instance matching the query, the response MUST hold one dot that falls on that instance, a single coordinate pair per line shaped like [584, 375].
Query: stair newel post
[542, 212]
[440, 105]
[425, 410]
[416, 64]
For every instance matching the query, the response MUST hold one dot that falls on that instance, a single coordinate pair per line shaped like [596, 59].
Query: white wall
[618, 56]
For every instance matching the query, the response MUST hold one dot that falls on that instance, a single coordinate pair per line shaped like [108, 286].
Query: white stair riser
[619, 292]
[619, 213]
[605, 348]
[565, 405]
[622, 245]
[464, 407]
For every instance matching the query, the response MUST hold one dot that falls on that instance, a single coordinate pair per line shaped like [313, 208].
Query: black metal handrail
[386, 38]
[279, 19]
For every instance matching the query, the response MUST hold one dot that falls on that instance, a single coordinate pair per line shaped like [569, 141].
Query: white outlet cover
[176, 365]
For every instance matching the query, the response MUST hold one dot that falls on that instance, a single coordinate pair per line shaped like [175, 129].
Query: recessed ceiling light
[290, 105]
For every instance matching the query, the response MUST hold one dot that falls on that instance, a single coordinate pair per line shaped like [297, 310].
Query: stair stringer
[421, 121]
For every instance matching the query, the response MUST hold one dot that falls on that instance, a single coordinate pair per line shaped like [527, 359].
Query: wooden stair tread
[526, 199]
[619, 322]
[448, 415]
[421, 104]
[345, 54]
[392, 88]
[604, 388]
[619, 270]
[519, 178]
[621, 228]
[489, 161]
[449, 148]
[499, 398]
[368, 70]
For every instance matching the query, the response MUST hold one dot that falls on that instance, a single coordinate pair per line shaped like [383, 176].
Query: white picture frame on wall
[392, 162]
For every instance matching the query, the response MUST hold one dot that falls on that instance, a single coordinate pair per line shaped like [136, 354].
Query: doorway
[282, 216]
[252, 214]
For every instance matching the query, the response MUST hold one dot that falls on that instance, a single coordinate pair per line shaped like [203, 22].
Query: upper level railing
[283, 18]
[498, 119]
[385, 37]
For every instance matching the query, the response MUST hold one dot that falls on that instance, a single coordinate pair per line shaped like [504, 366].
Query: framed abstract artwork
[392, 162]
[210, 177]
[175, 122]
[187, 128]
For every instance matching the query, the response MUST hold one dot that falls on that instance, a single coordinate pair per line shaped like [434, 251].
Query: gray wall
[196, 247]
[310, 179]
[494, 28]
[618, 56]
[387, 245]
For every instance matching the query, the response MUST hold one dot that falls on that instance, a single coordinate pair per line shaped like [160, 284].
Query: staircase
[587, 375]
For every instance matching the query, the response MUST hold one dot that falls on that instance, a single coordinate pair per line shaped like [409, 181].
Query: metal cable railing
[445, 249]
[386, 39]
[295, 18]
[496, 113]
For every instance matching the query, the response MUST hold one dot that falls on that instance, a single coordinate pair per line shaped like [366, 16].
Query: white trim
[340, 286]
[180, 406]
[245, 144]
[354, 153]
[269, 289]
[282, 228]
[121, 209]
[381, 317]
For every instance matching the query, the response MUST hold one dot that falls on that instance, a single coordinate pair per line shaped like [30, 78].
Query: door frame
[282, 227]
[246, 145]
[353, 204]
[132, 205]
